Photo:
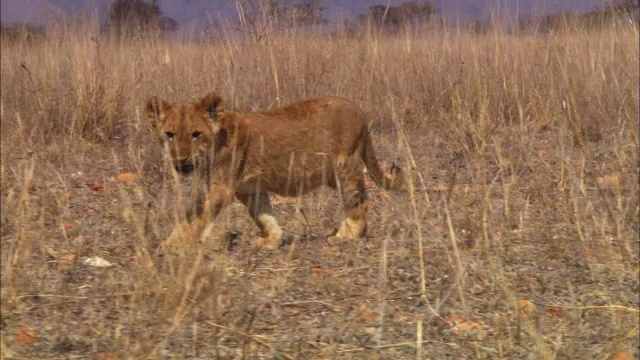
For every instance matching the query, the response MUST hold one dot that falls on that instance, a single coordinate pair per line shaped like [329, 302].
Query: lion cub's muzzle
[184, 167]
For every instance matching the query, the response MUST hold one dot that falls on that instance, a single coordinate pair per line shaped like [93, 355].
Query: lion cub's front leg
[184, 235]
[259, 206]
[191, 232]
[354, 196]
[352, 227]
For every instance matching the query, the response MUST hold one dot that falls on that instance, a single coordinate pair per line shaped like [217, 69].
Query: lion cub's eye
[169, 134]
[195, 134]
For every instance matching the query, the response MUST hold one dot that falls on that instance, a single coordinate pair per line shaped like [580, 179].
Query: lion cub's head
[187, 131]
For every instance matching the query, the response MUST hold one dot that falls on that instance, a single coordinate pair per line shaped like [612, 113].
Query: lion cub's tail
[391, 181]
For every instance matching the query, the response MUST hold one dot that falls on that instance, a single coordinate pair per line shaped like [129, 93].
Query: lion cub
[288, 151]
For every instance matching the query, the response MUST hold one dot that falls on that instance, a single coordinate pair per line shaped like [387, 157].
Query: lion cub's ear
[212, 104]
[156, 109]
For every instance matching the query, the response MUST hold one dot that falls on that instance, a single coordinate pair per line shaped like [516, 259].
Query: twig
[52, 296]
[403, 296]
[23, 65]
[83, 206]
[55, 358]
[597, 307]
[73, 297]
[249, 337]
[331, 307]
[389, 346]
[280, 269]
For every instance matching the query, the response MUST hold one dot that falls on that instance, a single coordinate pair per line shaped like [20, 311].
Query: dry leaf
[367, 315]
[70, 257]
[527, 308]
[68, 196]
[370, 330]
[320, 271]
[97, 186]
[403, 318]
[460, 326]
[384, 194]
[127, 177]
[104, 356]
[621, 356]
[97, 261]
[609, 180]
[26, 335]
[555, 311]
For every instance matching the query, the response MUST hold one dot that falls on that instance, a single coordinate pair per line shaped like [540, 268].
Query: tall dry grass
[522, 153]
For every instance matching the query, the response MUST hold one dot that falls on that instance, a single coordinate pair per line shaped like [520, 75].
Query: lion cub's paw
[349, 229]
[335, 239]
[271, 242]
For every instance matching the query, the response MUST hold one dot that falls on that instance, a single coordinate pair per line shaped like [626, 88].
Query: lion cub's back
[327, 119]
[318, 112]
[323, 124]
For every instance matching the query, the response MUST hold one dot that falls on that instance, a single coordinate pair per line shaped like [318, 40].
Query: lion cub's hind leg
[259, 206]
[354, 197]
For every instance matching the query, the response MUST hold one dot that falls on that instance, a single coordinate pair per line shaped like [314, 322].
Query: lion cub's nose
[184, 166]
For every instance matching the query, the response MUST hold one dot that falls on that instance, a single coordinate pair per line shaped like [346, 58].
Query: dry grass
[524, 164]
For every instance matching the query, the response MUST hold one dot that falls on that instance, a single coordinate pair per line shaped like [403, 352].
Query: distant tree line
[260, 18]
[615, 11]
[22, 32]
[393, 18]
[626, 11]
[128, 18]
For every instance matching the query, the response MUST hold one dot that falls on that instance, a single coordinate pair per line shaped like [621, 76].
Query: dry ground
[516, 239]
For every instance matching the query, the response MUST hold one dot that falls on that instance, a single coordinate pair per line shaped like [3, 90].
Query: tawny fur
[288, 151]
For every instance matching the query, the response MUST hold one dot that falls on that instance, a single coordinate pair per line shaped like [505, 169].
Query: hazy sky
[185, 11]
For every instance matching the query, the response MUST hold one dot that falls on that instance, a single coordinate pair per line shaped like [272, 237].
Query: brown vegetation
[517, 236]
